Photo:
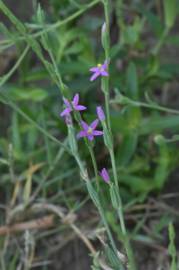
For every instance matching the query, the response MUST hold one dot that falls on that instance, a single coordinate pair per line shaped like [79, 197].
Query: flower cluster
[88, 130]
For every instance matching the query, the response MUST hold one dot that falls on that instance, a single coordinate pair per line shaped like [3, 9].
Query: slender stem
[111, 151]
[156, 107]
[60, 82]
[108, 230]
[105, 84]
[160, 42]
[150, 106]
[121, 216]
[106, 94]
[94, 165]
[91, 151]
[107, 57]
[4, 79]
[120, 213]
[102, 214]
[107, 45]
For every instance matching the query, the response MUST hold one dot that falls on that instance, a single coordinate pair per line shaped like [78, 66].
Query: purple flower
[104, 174]
[100, 113]
[89, 131]
[100, 70]
[73, 105]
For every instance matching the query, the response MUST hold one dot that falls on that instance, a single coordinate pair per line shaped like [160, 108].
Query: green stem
[94, 165]
[146, 105]
[155, 107]
[106, 95]
[4, 79]
[105, 87]
[60, 82]
[108, 231]
[121, 216]
[100, 209]
[107, 56]
[160, 42]
[120, 213]
[107, 46]
[91, 151]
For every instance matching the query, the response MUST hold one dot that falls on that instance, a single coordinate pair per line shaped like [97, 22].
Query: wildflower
[100, 70]
[104, 174]
[100, 113]
[89, 131]
[72, 106]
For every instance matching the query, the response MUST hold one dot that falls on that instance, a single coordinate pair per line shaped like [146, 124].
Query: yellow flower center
[100, 67]
[90, 130]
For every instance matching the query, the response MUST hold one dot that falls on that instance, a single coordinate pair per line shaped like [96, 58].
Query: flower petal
[105, 65]
[104, 174]
[90, 137]
[81, 134]
[65, 112]
[97, 133]
[67, 103]
[80, 108]
[104, 73]
[75, 100]
[84, 125]
[94, 124]
[94, 76]
[94, 69]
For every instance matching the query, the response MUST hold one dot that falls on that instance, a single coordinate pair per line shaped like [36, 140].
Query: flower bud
[104, 174]
[100, 113]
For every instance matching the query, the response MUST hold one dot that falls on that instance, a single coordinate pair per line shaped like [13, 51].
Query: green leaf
[127, 148]
[33, 94]
[170, 11]
[137, 184]
[131, 33]
[115, 198]
[163, 169]
[93, 194]
[27, 189]
[16, 138]
[154, 22]
[12, 18]
[158, 123]
[113, 259]
[132, 81]
[171, 247]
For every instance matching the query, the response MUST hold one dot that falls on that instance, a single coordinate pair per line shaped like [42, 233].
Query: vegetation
[86, 149]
